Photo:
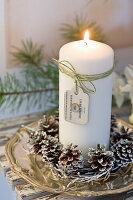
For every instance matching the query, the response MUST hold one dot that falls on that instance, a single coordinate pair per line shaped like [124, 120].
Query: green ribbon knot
[67, 68]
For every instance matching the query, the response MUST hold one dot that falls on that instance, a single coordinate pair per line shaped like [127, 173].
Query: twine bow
[67, 68]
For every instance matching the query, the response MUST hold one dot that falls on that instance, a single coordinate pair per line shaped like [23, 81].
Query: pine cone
[50, 125]
[114, 123]
[100, 160]
[71, 159]
[125, 133]
[122, 146]
[51, 149]
[35, 139]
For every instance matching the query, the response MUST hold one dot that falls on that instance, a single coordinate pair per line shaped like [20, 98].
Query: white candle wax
[91, 58]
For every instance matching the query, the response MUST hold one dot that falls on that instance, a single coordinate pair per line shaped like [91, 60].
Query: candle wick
[85, 42]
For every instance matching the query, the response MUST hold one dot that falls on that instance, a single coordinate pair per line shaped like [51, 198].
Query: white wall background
[41, 20]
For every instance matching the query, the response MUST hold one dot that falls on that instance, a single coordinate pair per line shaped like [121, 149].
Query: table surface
[14, 187]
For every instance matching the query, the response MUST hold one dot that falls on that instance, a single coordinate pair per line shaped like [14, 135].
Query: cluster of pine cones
[45, 141]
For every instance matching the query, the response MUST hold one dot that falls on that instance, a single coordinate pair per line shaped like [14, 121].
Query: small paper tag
[76, 106]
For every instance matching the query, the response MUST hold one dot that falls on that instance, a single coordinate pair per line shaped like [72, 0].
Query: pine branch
[30, 55]
[14, 92]
[73, 32]
[27, 92]
[39, 82]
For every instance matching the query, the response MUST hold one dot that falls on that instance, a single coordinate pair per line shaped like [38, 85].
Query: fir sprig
[29, 55]
[75, 31]
[39, 81]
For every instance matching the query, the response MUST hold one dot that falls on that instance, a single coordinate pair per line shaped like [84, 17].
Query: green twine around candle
[67, 68]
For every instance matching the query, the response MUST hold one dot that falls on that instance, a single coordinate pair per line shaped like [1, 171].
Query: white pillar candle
[89, 57]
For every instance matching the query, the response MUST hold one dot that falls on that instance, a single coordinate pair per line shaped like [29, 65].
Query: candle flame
[86, 36]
